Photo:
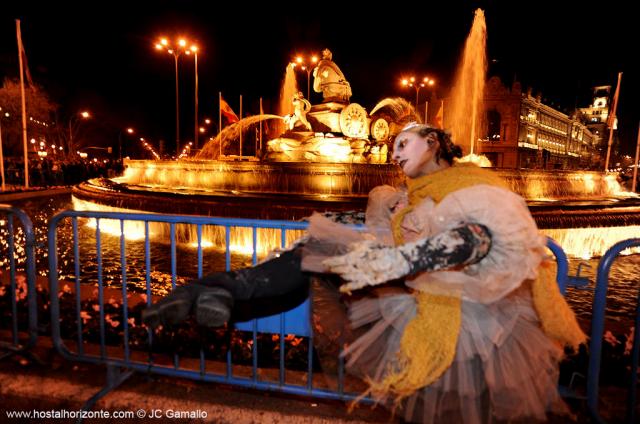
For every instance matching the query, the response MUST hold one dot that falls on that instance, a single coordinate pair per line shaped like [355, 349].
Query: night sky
[99, 56]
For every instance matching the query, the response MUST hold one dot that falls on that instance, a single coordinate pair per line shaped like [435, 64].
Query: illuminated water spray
[463, 115]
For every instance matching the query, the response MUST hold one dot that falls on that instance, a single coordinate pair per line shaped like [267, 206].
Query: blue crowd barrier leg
[115, 377]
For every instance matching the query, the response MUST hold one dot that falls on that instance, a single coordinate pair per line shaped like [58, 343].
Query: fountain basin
[278, 190]
[292, 190]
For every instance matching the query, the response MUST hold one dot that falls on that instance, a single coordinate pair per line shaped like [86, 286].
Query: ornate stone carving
[354, 121]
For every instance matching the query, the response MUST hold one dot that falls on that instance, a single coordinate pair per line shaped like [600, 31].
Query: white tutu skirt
[505, 368]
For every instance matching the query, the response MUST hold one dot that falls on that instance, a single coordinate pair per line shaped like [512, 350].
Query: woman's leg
[212, 297]
[275, 277]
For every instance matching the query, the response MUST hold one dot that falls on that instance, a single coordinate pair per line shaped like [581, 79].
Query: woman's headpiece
[412, 124]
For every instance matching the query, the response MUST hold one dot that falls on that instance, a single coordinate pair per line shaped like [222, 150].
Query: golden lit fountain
[327, 157]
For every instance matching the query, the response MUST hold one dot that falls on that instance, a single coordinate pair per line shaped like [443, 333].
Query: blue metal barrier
[293, 322]
[562, 273]
[24, 286]
[597, 333]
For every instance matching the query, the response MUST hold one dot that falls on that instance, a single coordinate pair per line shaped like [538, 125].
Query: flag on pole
[611, 119]
[23, 56]
[228, 113]
[439, 119]
[24, 106]
[611, 122]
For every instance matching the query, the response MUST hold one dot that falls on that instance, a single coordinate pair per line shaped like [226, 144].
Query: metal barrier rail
[562, 273]
[26, 287]
[295, 321]
[597, 333]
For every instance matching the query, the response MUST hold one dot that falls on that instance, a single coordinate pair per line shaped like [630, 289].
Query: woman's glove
[368, 264]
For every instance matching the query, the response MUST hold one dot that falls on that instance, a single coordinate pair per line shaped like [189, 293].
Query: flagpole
[426, 109]
[612, 118]
[241, 127]
[24, 107]
[219, 125]
[635, 168]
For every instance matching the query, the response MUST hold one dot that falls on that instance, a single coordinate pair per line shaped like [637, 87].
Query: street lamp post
[194, 49]
[412, 82]
[130, 131]
[176, 50]
[300, 62]
[73, 121]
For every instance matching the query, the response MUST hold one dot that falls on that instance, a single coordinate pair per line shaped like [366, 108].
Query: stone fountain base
[293, 190]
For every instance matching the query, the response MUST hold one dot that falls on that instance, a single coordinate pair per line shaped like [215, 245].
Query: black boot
[172, 309]
[213, 296]
[213, 307]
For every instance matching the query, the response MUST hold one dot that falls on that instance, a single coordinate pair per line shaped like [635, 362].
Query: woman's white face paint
[416, 155]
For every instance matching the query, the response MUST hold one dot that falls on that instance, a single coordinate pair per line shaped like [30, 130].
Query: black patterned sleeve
[454, 248]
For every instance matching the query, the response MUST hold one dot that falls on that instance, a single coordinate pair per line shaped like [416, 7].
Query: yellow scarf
[428, 344]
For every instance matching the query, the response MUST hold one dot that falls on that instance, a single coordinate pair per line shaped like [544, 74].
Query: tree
[39, 108]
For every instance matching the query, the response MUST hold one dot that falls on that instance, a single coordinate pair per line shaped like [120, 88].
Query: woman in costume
[477, 334]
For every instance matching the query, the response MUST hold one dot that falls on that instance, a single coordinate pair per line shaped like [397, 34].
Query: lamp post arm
[94, 147]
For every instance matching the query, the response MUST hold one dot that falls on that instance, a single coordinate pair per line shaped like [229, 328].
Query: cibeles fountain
[335, 131]
[328, 156]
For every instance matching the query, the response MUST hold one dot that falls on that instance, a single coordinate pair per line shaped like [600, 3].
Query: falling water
[232, 132]
[462, 117]
[241, 239]
[289, 88]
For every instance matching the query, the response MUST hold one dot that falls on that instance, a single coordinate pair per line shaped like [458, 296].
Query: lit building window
[494, 121]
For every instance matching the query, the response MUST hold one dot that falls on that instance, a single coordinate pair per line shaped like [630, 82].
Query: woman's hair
[447, 151]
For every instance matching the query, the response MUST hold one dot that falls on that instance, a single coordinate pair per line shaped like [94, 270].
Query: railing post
[30, 270]
[597, 322]
[562, 263]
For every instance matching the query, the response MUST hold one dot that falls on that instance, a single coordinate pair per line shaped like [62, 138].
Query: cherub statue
[301, 107]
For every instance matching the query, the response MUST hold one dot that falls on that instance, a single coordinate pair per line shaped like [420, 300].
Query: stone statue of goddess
[330, 81]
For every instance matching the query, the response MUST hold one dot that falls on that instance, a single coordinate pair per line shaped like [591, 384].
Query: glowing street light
[412, 82]
[176, 50]
[300, 62]
[129, 131]
[73, 126]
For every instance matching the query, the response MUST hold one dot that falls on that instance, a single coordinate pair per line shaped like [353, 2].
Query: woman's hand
[368, 264]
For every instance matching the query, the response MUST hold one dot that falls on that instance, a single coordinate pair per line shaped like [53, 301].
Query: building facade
[519, 131]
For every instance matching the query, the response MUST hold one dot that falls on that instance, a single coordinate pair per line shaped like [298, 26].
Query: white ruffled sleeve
[517, 248]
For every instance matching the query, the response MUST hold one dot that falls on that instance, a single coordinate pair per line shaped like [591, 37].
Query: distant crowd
[53, 172]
